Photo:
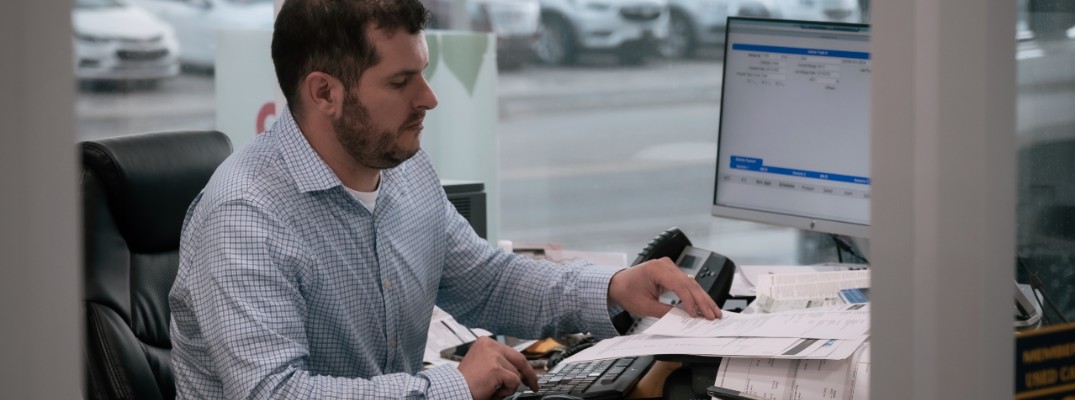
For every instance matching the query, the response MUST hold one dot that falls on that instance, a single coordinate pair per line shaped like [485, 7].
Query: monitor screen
[794, 145]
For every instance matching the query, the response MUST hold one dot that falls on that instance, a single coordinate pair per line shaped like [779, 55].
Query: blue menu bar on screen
[758, 165]
[802, 51]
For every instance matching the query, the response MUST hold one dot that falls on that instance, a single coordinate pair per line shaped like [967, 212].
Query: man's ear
[322, 94]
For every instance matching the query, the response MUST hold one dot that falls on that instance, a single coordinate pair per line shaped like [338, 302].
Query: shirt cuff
[593, 289]
[446, 382]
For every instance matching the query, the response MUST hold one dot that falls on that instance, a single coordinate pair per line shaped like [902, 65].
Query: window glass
[608, 109]
[1045, 129]
[606, 141]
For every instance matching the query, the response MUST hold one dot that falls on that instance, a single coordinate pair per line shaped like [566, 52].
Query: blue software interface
[794, 132]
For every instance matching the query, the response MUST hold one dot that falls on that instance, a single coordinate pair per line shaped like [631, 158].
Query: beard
[369, 145]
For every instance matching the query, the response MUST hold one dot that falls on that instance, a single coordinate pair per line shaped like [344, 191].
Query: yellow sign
[1045, 363]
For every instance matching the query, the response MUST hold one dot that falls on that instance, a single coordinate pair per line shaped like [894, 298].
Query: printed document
[790, 348]
[779, 379]
[794, 291]
[838, 322]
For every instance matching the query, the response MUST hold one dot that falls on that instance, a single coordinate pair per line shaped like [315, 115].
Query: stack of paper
[776, 379]
[830, 333]
[444, 333]
[781, 292]
[810, 345]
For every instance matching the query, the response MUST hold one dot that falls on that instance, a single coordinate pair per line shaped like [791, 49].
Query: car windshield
[99, 3]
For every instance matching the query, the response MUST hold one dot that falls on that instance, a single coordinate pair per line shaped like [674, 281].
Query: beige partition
[40, 261]
[943, 233]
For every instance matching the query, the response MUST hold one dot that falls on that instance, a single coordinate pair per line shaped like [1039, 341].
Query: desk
[652, 384]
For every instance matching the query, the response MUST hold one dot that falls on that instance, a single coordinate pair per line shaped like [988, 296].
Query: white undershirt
[368, 199]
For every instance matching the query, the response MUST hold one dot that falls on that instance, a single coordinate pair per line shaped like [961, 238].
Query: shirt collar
[310, 172]
[307, 168]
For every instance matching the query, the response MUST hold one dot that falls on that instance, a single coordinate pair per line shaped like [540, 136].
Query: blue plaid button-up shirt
[289, 288]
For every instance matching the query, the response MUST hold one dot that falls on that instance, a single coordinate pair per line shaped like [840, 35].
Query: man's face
[382, 118]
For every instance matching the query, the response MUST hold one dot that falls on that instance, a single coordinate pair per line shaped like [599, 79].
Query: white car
[117, 41]
[820, 10]
[630, 28]
[697, 23]
[197, 21]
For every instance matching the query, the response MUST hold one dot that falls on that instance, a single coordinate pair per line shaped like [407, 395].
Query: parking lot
[598, 155]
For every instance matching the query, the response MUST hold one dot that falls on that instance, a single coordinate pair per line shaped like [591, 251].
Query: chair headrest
[151, 179]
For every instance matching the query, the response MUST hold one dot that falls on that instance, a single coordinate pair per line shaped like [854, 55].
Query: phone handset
[713, 271]
[669, 243]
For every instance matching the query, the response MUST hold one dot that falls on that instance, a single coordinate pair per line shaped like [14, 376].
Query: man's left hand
[637, 290]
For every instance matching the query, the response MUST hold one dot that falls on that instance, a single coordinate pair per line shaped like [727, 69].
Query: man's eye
[398, 84]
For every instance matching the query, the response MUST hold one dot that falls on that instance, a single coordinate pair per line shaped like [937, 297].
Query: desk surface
[652, 384]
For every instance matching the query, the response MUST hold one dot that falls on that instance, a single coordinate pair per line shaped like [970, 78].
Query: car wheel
[681, 42]
[556, 41]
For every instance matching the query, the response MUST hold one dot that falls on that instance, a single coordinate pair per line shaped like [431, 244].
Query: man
[311, 262]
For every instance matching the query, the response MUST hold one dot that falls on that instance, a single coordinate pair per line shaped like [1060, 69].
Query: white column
[40, 312]
[943, 234]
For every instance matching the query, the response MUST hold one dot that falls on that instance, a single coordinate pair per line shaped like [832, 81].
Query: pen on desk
[729, 394]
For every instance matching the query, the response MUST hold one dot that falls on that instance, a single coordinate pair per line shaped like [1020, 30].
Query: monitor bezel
[771, 217]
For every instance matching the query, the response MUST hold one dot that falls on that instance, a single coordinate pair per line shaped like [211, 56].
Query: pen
[729, 394]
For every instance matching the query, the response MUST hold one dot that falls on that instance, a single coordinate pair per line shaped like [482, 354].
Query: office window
[1045, 128]
[608, 109]
[149, 65]
[602, 151]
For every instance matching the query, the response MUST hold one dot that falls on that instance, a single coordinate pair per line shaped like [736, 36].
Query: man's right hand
[494, 371]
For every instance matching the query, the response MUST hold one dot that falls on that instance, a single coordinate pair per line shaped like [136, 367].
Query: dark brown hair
[331, 36]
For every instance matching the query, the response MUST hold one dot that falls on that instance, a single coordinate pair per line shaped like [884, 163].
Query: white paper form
[781, 292]
[445, 332]
[776, 379]
[860, 377]
[790, 348]
[643, 344]
[844, 322]
[836, 349]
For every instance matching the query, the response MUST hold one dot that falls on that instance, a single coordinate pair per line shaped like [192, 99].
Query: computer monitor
[794, 138]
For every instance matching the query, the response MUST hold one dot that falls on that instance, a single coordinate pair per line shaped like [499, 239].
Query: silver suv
[629, 28]
[697, 23]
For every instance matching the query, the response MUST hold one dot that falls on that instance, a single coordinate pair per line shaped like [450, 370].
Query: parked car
[697, 23]
[117, 41]
[692, 24]
[820, 10]
[629, 28]
[514, 22]
[197, 21]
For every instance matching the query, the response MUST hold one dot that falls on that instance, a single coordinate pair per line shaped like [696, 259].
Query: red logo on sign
[267, 111]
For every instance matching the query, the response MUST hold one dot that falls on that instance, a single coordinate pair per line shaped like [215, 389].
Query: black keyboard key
[601, 379]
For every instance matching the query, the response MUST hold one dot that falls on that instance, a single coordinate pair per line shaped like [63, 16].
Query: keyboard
[598, 379]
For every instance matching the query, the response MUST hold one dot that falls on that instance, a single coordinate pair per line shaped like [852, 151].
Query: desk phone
[613, 379]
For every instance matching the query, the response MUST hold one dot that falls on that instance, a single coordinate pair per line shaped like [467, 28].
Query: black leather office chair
[135, 191]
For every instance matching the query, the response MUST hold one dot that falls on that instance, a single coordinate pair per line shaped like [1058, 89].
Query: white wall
[39, 240]
[943, 234]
